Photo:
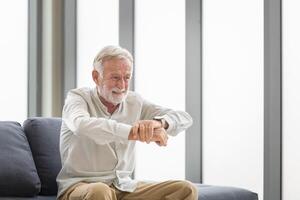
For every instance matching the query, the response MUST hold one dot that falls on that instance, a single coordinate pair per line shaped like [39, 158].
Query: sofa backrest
[43, 137]
[18, 174]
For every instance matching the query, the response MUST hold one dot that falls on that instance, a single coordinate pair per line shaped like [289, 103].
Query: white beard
[110, 96]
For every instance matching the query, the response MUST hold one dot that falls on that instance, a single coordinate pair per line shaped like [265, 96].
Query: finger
[149, 133]
[155, 138]
[166, 142]
[161, 139]
[158, 134]
[158, 143]
[165, 139]
[142, 132]
[135, 129]
[156, 130]
[151, 130]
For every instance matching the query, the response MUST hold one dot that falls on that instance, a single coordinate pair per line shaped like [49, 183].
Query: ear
[96, 77]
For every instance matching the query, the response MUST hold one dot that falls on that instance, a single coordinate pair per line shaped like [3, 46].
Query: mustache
[118, 90]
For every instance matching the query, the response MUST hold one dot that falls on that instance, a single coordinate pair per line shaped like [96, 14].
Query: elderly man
[99, 130]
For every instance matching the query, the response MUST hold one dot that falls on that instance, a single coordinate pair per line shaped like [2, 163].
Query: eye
[115, 78]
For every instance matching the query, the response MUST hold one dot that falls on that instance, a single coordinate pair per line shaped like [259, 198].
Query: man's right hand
[144, 129]
[154, 133]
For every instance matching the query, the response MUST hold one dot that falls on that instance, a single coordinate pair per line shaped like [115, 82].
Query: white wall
[291, 99]
[233, 93]
[97, 26]
[160, 78]
[13, 62]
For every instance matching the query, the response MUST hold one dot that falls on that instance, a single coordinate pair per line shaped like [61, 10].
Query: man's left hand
[160, 137]
[145, 129]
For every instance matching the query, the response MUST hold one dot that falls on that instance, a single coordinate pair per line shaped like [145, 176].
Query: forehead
[117, 65]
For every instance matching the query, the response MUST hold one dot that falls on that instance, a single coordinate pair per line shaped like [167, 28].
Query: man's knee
[99, 191]
[189, 188]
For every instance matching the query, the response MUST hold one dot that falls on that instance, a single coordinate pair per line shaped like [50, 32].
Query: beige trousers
[168, 190]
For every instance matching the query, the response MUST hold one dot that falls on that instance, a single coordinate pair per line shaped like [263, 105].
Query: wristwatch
[162, 121]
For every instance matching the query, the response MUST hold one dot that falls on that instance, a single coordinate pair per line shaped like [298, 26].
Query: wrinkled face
[113, 85]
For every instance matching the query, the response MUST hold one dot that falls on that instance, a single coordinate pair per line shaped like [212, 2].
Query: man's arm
[154, 117]
[101, 130]
[79, 121]
[175, 121]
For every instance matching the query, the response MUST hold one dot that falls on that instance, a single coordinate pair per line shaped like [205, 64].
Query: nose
[122, 84]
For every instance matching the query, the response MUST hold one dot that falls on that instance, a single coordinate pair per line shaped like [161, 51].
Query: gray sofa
[30, 162]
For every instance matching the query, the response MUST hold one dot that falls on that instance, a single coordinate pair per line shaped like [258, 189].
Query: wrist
[131, 136]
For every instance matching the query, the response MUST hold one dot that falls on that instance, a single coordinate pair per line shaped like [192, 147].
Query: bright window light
[160, 78]
[13, 62]
[97, 26]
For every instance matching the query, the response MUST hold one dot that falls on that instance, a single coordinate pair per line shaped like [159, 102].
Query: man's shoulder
[83, 91]
[133, 97]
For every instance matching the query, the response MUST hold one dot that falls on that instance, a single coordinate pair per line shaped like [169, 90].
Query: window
[233, 69]
[291, 99]
[160, 78]
[97, 26]
[13, 63]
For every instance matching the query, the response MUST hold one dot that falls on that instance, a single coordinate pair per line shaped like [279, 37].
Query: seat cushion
[18, 173]
[30, 198]
[208, 192]
[43, 137]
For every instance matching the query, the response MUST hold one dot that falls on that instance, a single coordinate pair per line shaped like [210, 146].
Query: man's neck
[110, 107]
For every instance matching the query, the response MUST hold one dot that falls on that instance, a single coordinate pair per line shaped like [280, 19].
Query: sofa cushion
[18, 173]
[43, 136]
[209, 192]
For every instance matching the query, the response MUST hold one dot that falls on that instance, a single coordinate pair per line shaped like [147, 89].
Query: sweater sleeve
[79, 121]
[178, 120]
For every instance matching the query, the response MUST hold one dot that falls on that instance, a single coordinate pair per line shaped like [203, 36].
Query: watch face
[163, 123]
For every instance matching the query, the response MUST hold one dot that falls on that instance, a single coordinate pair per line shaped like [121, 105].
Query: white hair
[108, 53]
